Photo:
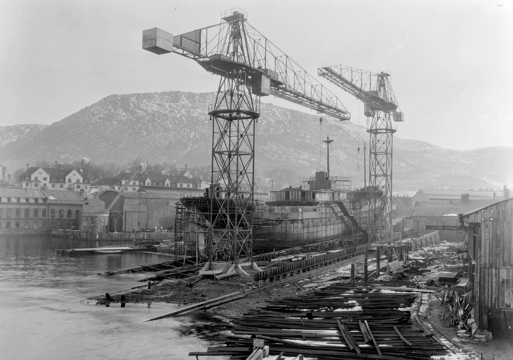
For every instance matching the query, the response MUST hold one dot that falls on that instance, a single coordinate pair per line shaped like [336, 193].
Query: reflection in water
[44, 316]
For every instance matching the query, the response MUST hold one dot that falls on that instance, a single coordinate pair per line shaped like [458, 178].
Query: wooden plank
[205, 304]
[342, 332]
[363, 330]
[401, 336]
[351, 339]
[372, 337]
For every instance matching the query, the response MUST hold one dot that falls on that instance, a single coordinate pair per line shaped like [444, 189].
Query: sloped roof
[485, 206]
[457, 193]
[57, 172]
[463, 207]
[56, 196]
[429, 210]
[168, 192]
[29, 171]
[470, 206]
[22, 193]
[52, 171]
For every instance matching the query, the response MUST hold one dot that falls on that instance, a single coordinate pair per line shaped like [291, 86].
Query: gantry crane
[250, 66]
[380, 104]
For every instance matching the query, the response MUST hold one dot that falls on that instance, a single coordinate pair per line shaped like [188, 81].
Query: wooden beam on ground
[203, 305]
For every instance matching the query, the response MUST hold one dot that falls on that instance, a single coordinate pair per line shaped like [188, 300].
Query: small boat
[107, 251]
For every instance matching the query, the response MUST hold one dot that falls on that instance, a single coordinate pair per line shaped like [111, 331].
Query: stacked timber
[346, 321]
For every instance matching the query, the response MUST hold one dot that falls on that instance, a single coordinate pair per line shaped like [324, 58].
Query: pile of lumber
[342, 321]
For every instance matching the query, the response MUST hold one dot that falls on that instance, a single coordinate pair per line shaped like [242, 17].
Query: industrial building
[443, 217]
[490, 238]
[439, 196]
[148, 208]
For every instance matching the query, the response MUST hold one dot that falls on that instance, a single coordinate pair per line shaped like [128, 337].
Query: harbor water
[44, 314]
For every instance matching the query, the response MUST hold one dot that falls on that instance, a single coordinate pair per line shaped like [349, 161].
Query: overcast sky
[451, 62]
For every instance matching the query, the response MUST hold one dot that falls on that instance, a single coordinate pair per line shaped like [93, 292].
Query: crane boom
[373, 89]
[269, 70]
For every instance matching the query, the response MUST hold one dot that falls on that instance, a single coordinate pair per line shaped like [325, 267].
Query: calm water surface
[44, 315]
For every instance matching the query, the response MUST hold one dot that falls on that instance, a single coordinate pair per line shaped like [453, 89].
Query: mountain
[12, 133]
[174, 127]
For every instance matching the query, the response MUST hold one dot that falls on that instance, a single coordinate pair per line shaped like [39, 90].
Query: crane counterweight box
[398, 116]
[157, 41]
[261, 86]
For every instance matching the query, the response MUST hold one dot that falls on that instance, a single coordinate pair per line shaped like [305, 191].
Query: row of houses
[54, 178]
[155, 179]
[61, 179]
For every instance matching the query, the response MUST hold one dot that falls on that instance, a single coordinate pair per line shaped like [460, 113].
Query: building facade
[26, 211]
[155, 180]
[54, 178]
[428, 217]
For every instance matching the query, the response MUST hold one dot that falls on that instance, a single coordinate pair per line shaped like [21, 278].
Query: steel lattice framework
[233, 127]
[250, 66]
[375, 90]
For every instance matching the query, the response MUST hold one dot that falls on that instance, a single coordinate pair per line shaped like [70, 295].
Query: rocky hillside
[12, 133]
[174, 127]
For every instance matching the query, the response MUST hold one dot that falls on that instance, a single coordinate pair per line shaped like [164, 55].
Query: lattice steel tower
[381, 106]
[250, 66]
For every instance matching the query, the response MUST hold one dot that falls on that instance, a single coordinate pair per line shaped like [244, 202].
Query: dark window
[52, 214]
[27, 213]
[36, 213]
[44, 179]
[61, 186]
[1, 211]
[26, 184]
[69, 214]
[27, 200]
[44, 214]
[18, 199]
[8, 224]
[36, 200]
[17, 224]
[69, 180]
[8, 214]
[61, 214]
[77, 214]
[18, 213]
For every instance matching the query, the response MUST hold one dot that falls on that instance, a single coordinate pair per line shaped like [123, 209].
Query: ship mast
[328, 142]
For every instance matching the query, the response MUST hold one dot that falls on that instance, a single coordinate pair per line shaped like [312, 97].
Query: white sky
[451, 61]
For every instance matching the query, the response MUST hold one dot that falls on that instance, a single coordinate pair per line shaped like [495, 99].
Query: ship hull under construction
[279, 227]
